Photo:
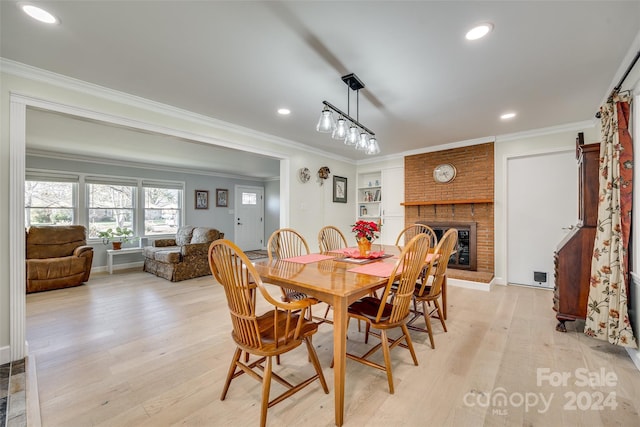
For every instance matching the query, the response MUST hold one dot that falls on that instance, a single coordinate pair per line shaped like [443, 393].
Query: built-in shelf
[448, 202]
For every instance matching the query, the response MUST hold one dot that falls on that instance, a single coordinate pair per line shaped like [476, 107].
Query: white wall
[271, 208]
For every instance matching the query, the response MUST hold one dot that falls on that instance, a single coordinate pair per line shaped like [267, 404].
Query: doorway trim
[17, 168]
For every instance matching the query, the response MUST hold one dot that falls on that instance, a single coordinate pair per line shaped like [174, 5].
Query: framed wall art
[222, 198]
[339, 189]
[202, 199]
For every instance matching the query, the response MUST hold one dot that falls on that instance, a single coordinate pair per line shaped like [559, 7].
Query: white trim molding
[17, 275]
[468, 284]
[59, 80]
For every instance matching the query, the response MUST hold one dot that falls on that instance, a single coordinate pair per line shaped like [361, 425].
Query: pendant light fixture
[346, 127]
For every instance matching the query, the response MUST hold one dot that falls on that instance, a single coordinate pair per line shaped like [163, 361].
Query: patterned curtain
[607, 311]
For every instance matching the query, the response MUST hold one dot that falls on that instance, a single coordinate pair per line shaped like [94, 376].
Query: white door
[542, 202]
[249, 217]
[392, 211]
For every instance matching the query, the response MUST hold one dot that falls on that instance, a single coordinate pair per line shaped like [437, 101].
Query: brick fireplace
[466, 200]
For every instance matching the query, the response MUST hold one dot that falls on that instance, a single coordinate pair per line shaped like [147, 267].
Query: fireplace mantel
[448, 202]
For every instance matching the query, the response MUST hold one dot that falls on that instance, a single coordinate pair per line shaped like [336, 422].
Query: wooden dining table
[329, 280]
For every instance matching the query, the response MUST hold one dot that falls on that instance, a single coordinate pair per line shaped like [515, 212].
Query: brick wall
[474, 180]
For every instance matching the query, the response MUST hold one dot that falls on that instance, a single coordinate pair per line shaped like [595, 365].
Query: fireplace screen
[465, 257]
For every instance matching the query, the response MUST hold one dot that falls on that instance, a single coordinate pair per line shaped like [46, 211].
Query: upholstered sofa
[57, 257]
[184, 257]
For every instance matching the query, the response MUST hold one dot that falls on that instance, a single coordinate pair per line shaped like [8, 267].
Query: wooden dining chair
[414, 229]
[288, 243]
[379, 314]
[273, 333]
[330, 238]
[429, 289]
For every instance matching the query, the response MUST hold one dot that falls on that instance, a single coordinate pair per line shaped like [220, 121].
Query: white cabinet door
[391, 227]
[392, 211]
[393, 192]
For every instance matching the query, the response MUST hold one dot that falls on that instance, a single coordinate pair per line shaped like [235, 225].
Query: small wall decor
[339, 189]
[323, 173]
[202, 199]
[304, 175]
[222, 198]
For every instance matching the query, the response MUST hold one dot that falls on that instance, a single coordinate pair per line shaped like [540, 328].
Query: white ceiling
[239, 61]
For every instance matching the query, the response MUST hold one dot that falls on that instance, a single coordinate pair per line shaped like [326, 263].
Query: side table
[111, 253]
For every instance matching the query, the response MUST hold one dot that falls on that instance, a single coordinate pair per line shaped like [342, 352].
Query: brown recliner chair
[57, 257]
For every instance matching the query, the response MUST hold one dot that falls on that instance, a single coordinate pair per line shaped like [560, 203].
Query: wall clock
[444, 173]
[304, 175]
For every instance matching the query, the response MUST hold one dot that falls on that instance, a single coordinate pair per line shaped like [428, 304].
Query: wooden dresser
[573, 256]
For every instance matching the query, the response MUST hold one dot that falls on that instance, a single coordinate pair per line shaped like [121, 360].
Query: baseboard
[468, 284]
[499, 281]
[5, 355]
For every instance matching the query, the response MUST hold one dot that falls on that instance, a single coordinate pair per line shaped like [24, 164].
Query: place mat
[380, 269]
[308, 259]
[430, 257]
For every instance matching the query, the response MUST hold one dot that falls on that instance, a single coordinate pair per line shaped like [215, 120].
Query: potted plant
[366, 232]
[117, 236]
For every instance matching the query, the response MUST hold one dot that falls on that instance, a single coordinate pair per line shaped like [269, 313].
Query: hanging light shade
[352, 136]
[341, 129]
[363, 141]
[326, 122]
[356, 135]
[373, 148]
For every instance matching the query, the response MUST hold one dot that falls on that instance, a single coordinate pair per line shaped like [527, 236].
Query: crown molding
[139, 165]
[26, 71]
[33, 73]
[569, 127]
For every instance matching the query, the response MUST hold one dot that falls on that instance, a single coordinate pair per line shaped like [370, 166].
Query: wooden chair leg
[367, 328]
[313, 356]
[428, 323]
[266, 387]
[440, 315]
[407, 338]
[387, 358]
[232, 370]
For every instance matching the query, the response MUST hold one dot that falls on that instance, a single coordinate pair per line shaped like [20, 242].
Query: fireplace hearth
[465, 257]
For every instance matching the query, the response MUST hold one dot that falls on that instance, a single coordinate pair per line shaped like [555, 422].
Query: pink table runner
[308, 259]
[380, 269]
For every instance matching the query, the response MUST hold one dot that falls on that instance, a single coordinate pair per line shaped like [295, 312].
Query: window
[149, 208]
[110, 205]
[49, 202]
[249, 198]
[162, 208]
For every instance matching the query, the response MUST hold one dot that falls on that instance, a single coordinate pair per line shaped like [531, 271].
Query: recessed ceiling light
[479, 31]
[39, 14]
[507, 116]
[284, 111]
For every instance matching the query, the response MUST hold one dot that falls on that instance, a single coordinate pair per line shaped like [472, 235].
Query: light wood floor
[131, 349]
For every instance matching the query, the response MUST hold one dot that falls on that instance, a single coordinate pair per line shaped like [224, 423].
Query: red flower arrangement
[365, 229]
